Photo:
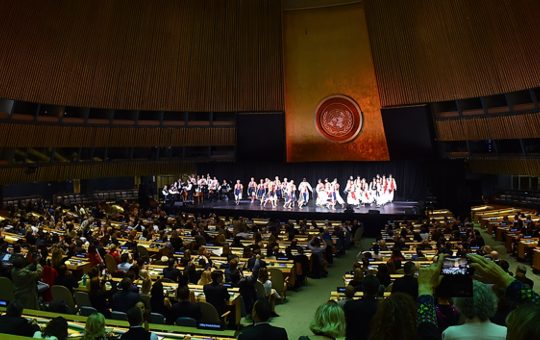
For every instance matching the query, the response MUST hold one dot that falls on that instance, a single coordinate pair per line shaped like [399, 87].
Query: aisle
[297, 312]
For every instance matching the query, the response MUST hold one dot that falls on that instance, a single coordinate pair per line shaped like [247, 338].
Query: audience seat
[279, 283]
[62, 294]
[156, 318]
[87, 310]
[82, 299]
[209, 314]
[6, 289]
[185, 321]
[115, 315]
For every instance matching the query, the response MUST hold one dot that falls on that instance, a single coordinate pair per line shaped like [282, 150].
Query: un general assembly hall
[270, 169]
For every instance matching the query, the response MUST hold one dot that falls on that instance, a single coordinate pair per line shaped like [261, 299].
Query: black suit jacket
[263, 331]
[407, 285]
[358, 315]
[216, 295]
[123, 301]
[17, 326]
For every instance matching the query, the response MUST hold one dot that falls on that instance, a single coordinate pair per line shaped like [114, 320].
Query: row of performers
[194, 186]
[327, 193]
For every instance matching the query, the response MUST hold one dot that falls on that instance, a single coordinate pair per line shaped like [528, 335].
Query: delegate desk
[336, 296]
[525, 245]
[77, 323]
[169, 290]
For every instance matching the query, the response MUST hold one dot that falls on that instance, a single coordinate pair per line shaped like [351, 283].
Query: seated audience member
[349, 295]
[447, 314]
[328, 322]
[13, 323]
[383, 274]
[270, 293]
[206, 278]
[56, 329]
[99, 296]
[521, 272]
[171, 272]
[93, 256]
[261, 329]
[184, 307]
[126, 298]
[407, 284]
[25, 277]
[524, 323]
[157, 299]
[359, 313]
[358, 277]
[476, 311]
[215, 293]
[95, 327]
[136, 330]
[65, 278]
[395, 319]
[124, 264]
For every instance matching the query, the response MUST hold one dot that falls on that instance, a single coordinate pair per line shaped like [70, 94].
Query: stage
[373, 217]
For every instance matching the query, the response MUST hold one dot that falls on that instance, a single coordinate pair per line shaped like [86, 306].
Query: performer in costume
[165, 193]
[337, 194]
[252, 189]
[238, 188]
[304, 188]
[270, 194]
[261, 191]
[351, 191]
[331, 194]
[284, 188]
[291, 195]
[322, 197]
[392, 187]
[277, 182]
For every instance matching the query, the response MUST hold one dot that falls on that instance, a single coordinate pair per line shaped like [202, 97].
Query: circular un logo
[338, 118]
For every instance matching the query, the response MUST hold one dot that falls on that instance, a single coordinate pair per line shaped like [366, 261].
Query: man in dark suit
[123, 300]
[408, 284]
[171, 272]
[358, 313]
[184, 307]
[215, 293]
[261, 329]
[13, 322]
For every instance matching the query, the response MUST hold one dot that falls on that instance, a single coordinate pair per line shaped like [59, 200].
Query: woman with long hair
[95, 327]
[395, 319]
[328, 322]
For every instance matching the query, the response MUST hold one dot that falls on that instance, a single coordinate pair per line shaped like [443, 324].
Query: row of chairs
[80, 302]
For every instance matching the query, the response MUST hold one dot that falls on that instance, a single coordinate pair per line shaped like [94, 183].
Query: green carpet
[297, 313]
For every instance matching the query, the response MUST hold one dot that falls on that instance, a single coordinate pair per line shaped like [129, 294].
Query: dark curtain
[414, 179]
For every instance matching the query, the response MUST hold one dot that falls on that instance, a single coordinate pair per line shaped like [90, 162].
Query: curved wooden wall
[437, 50]
[84, 170]
[508, 126]
[39, 135]
[189, 55]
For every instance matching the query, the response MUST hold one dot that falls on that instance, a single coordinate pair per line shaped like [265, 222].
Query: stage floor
[394, 208]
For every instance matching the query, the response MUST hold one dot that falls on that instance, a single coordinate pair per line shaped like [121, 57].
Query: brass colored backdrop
[326, 52]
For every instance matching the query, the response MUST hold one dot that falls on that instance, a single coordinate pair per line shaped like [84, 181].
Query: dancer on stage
[165, 193]
[252, 189]
[261, 191]
[291, 195]
[304, 188]
[279, 192]
[329, 188]
[322, 197]
[238, 189]
[337, 194]
[270, 194]
[284, 187]
[351, 190]
[392, 187]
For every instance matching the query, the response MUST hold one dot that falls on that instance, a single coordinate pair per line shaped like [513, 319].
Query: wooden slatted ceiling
[190, 55]
[437, 50]
[35, 135]
[510, 126]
